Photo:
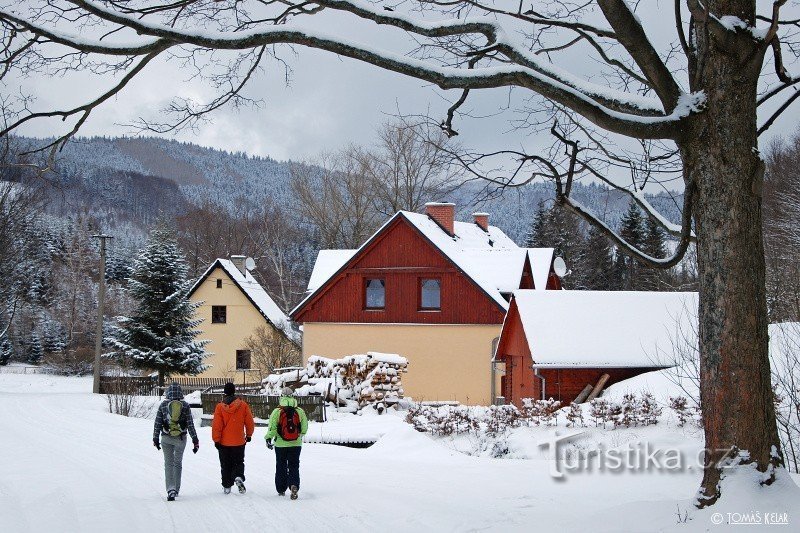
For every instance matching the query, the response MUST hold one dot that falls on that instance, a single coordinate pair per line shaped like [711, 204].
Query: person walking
[287, 425]
[173, 421]
[231, 429]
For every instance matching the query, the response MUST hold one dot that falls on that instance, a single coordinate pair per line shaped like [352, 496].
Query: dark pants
[287, 467]
[231, 463]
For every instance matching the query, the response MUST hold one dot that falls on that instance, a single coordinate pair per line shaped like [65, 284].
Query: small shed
[555, 343]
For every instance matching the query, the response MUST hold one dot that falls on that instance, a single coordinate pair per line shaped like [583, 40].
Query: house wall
[401, 256]
[446, 362]
[519, 380]
[242, 321]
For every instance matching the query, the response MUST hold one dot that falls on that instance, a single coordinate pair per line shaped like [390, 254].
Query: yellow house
[234, 307]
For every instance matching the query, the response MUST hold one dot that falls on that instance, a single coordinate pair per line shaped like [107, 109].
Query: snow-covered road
[68, 465]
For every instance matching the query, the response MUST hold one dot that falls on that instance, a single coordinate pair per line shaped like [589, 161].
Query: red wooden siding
[527, 275]
[553, 282]
[519, 381]
[564, 384]
[401, 256]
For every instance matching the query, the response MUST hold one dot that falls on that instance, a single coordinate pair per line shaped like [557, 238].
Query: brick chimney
[238, 262]
[482, 220]
[444, 213]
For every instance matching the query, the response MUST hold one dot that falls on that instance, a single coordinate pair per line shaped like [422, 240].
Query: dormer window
[374, 293]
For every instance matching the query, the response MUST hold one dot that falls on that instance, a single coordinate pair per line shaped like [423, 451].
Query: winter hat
[174, 392]
[287, 391]
[230, 389]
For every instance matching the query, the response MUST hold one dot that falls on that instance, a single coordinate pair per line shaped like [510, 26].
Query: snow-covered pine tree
[559, 229]
[633, 231]
[598, 262]
[536, 232]
[54, 338]
[654, 279]
[160, 334]
[5, 347]
[35, 350]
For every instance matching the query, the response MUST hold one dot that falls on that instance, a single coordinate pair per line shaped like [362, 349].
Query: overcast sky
[330, 102]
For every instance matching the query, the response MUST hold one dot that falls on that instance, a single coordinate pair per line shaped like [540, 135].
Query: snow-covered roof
[468, 247]
[326, 265]
[490, 258]
[604, 328]
[541, 260]
[501, 268]
[255, 293]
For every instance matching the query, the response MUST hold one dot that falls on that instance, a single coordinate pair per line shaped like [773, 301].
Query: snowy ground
[68, 465]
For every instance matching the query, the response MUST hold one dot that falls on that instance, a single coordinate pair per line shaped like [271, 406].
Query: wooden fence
[148, 386]
[262, 406]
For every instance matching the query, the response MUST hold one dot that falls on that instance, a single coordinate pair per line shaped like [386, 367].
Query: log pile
[352, 382]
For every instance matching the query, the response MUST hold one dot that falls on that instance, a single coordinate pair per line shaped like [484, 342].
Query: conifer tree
[536, 231]
[632, 230]
[557, 228]
[35, 350]
[598, 263]
[161, 333]
[5, 348]
[653, 279]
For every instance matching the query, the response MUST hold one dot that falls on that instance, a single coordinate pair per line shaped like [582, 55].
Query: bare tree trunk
[722, 161]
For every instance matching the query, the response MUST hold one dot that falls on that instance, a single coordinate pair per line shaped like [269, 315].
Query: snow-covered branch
[621, 112]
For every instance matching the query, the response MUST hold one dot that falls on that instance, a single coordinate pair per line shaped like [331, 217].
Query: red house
[554, 343]
[427, 287]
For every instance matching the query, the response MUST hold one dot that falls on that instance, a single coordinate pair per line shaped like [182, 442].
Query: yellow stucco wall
[446, 362]
[242, 321]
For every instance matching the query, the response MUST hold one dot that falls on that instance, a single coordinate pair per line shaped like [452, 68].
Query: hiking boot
[171, 496]
[226, 490]
[282, 493]
[240, 484]
[294, 490]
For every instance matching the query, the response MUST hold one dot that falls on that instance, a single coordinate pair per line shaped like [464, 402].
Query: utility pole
[101, 296]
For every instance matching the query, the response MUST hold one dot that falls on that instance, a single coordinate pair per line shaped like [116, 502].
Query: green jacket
[272, 432]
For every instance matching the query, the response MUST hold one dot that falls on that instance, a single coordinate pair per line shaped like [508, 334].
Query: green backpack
[173, 424]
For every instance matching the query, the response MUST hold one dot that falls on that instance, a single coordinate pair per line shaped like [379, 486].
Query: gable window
[430, 294]
[375, 294]
[219, 283]
[242, 359]
[219, 314]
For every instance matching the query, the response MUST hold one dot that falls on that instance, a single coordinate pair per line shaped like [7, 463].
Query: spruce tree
[35, 350]
[633, 231]
[160, 335]
[559, 229]
[598, 262]
[536, 231]
[5, 348]
[653, 279]
[54, 338]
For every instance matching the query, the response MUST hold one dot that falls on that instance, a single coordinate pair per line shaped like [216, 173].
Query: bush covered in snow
[446, 420]
[633, 410]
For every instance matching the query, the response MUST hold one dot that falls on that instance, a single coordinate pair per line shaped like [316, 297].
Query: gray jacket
[174, 392]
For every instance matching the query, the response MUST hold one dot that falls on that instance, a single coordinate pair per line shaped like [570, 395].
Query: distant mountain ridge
[130, 180]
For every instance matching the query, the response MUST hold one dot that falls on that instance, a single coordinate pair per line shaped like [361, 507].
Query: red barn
[554, 343]
[428, 287]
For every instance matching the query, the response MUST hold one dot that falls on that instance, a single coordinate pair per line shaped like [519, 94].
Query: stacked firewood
[353, 382]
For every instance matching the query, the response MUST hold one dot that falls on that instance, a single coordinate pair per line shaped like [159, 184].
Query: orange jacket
[231, 423]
